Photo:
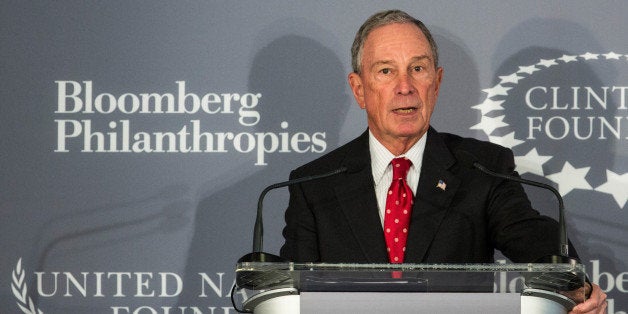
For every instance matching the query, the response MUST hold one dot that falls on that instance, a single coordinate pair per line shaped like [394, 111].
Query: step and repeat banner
[137, 136]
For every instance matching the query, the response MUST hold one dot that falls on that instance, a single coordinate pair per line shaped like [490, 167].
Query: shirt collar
[381, 157]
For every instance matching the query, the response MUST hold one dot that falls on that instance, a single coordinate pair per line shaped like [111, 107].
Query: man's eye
[385, 71]
[417, 68]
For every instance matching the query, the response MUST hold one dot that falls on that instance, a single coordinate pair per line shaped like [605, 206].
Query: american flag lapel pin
[441, 185]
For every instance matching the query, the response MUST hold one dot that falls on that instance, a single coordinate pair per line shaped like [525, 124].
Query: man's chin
[410, 132]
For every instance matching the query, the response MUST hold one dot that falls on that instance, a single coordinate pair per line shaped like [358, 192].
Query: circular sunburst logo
[561, 110]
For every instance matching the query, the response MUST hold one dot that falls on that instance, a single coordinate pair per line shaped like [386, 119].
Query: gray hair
[381, 19]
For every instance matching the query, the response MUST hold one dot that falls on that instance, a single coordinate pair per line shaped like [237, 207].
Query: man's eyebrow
[381, 62]
[422, 57]
[388, 62]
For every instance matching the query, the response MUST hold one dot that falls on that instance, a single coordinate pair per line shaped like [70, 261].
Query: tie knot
[400, 167]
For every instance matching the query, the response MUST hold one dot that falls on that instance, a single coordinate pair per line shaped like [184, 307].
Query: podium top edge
[486, 267]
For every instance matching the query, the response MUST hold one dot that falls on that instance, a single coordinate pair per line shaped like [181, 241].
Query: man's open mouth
[405, 110]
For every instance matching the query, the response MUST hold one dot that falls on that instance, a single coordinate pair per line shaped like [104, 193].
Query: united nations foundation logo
[565, 119]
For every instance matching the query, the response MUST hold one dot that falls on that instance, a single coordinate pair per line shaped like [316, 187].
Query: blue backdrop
[136, 136]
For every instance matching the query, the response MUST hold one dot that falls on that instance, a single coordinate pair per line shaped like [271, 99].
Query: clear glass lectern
[287, 287]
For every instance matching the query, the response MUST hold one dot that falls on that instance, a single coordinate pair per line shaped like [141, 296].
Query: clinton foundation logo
[566, 119]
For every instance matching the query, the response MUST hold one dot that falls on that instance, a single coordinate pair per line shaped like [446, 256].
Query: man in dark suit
[457, 214]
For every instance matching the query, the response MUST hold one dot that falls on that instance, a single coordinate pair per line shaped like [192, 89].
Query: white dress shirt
[382, 170]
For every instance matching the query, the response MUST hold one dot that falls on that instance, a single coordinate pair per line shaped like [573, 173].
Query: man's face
[398, 84]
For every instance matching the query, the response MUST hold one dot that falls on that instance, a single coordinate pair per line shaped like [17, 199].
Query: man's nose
[404, 84]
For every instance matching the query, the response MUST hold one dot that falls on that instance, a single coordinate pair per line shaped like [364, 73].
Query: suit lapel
[431, 202]
[358, 203]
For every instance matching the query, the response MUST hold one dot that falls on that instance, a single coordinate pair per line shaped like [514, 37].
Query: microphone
[560, 282]
[258, 279]
[470, 161]
[257, 255]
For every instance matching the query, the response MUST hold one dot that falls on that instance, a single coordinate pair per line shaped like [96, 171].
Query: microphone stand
[564, 244]
[258, 232]
[545, 281]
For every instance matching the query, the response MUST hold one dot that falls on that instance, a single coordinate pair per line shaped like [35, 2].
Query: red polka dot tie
[398, 209]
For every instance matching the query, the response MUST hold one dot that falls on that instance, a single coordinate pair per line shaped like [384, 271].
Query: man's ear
[439, 79]
[355, 82]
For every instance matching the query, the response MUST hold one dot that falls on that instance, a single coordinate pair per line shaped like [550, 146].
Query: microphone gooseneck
[569, 281]
[470, 160]
[564, 246]
[258, 231]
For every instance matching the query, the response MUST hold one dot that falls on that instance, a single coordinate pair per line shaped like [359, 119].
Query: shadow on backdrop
[303, 84]
[460, 88]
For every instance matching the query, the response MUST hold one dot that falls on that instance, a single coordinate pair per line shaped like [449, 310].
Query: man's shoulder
[455, 141]
[485, 151]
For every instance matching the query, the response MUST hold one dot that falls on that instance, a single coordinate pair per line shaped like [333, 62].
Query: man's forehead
[394, 29]
[397, 35]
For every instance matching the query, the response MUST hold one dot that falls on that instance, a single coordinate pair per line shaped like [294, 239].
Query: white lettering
[598, 99]
[170, 310]
[143, 284]
[318, 142]
[622, 96]
[263, 148]
[564, 125]
[249, 101]
[529, 97]
[118, 279]
[238, 142]
[581, 128]
[91, 284]
[72, 97]
[216, 288]
[97, 136]
[539, 97]
[120, 138]
[40, 284]
[62, 92]
[63, 135]
[71, 279]
[534, 126]
[297, 139]
[178, 287]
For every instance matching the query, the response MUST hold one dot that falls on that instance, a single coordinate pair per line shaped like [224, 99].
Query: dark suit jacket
[336, 219]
